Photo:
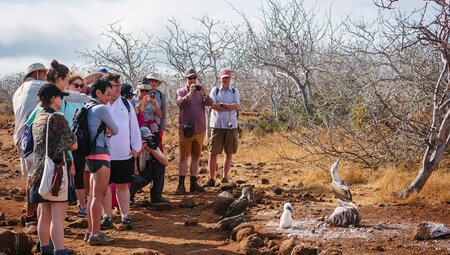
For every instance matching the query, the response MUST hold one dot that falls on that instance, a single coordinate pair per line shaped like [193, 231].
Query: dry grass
[6, 118]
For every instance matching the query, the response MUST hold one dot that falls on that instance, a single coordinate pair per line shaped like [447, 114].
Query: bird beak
[290, 209]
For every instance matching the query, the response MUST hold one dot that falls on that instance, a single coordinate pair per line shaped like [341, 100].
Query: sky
[41, 30]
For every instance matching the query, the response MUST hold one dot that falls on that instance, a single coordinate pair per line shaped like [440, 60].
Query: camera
[152, 94]
[230, 125]
[151, 144]
[198, 87]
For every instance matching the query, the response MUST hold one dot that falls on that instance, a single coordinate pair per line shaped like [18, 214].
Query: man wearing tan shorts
[224, 126]
[192, 100]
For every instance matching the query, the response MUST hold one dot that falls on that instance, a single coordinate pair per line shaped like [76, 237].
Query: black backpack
[81, 130]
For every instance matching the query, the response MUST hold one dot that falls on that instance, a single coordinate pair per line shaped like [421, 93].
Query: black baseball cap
[126, 90]
[50, 90]
[190, 72]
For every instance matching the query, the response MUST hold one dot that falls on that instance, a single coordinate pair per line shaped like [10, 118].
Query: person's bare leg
[227, 164]
[195, 162]
[212, 165]
[182, 166]
[44, 221]
[81, 198]
[107, 202]
[98, 191]
[58, 212]
[123, 197]
[89, 204]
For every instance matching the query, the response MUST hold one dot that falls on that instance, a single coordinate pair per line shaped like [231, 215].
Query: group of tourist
[126, 153]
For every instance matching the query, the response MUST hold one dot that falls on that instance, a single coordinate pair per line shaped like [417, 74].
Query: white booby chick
[240, 204]
[286, 218]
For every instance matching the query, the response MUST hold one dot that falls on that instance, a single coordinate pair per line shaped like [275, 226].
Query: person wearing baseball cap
[224, 134]
[127, 91]
[24, 101]
[152, 168]
[192, 100]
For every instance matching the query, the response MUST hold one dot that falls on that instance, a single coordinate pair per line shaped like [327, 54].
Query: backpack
[81, 130]
[125, 102]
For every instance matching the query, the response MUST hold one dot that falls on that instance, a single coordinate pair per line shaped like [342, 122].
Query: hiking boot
[181, 190]
[100, 239]
[210, 183]
[195, 187]
[82, 212]
[225, 180]
[106, 222]
[158, 199]
[126, 221]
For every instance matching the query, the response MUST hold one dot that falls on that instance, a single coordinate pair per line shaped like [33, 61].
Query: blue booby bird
[346, 213]
[240, 204]
[286, 218]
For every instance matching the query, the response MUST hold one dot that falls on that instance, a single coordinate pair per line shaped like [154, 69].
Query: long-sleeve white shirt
[129, 136]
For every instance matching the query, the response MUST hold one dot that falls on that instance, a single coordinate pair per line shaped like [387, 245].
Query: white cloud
[45, 29]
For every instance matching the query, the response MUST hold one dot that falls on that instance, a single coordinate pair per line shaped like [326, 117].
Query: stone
[2, 216]
[379, 248]
[191, 223]
[203, 170]
[15, 243]
[244, 233]
[228, 186]
[143, 251]
[241, 226]
[345, 216]
[253, 251]
[265, 181]
[287, 246]
[431, 230]
[222, 202]
[13, 221]
[241, 181]
[331, 251]
[162, 206]
[228, 224]
[278, 191]
[187, 203]
[250, 242]
[301, 249]
[79, 223]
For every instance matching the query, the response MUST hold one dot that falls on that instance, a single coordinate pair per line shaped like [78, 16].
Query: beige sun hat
[32, 68]
[154, 76]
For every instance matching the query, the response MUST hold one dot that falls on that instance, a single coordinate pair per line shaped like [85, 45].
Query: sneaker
[100, 239]
[210, 183]
[32, 220]
[181, 190]
[30, 229]
[82, 212]
[195, 187]
[126, 221]
[86, 237]
[106, 222]
[225, 180]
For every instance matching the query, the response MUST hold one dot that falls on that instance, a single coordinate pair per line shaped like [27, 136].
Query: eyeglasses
[76, 85]
[192, 78]
[144, 91]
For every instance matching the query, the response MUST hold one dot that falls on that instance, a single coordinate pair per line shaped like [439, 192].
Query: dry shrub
[316, 179]
[387, 182]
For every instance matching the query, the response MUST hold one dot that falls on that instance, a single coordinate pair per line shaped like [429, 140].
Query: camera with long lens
[230, 125]
[151, 144]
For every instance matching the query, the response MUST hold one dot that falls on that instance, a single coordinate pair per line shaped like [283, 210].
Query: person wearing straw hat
[24, 101]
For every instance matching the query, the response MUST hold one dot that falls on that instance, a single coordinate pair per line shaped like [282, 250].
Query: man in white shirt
[124, 148]
[24, 100]
[224, 135]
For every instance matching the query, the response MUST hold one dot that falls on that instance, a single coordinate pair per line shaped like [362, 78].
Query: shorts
[95, 164]
[79, 163]
[191, 146]
[122, 171]
[223, 139]
[25, 165]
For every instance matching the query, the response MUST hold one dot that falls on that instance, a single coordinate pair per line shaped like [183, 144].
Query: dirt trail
[386, 229]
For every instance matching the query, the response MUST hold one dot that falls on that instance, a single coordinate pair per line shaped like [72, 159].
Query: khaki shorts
[223, 139]
[25, 165]
[191, 146]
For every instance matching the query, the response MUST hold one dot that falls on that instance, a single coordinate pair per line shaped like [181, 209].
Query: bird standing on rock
[286, 218]
[346, 214]
[240, 204]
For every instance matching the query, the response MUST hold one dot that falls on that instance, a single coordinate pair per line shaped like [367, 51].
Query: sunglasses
[192, 78]
[76, 85]
[144, 91]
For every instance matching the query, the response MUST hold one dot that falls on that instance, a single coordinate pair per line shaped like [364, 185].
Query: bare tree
[8, 85]
[434, 35]
[124, 53]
